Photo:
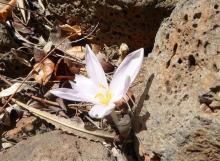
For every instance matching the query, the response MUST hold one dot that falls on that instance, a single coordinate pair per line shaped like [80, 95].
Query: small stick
[27, 77]
[30, 73]
[83, 38]
[5, 80]
[34, 12]
[90, 120]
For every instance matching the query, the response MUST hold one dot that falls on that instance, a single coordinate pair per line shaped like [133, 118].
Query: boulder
[132, 22]
[56, 146]
[179, 119]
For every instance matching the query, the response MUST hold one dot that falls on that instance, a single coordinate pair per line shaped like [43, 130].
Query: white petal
[73, 95]
[84, 85]
[100, 111]
[129, 67]
[94, 68]
[121, 89]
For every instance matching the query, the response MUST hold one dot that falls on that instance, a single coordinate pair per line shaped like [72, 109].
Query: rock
[56, 146]
[132, 22]
[173, 124]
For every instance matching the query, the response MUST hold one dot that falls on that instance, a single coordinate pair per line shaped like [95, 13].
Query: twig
[30, 73]
[85, 37]
[74, 59]
[90, 120]
[34, 12]
[5, 80]
[45, 101]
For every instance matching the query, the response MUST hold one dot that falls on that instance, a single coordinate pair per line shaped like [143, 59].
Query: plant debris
[48, 56]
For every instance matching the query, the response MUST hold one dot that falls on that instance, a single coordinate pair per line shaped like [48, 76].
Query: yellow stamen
[104, 96]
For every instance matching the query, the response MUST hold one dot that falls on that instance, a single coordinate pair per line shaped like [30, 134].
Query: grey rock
[56, 146]
[132, 22]
[185, 64]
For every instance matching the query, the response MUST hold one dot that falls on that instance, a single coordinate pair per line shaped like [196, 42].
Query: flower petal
[129, 67]
[84, 85]
[121, 89]
[100, 111]
[73, 95]
[94, 68]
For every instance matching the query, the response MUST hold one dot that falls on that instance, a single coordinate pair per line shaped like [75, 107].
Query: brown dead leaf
[75, 30]
[70, 126]
[72, 66]
[76, 51]
[43, 71]
[62, 71]
[106, 65]
[5, 10]
[19, 26]
[95, 48]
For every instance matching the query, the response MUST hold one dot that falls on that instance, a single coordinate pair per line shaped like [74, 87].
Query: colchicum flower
[96, 89]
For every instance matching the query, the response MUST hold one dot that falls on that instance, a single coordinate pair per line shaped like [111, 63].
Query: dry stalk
[30, 73]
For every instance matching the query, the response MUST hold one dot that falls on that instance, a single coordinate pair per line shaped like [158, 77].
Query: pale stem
[116, 121]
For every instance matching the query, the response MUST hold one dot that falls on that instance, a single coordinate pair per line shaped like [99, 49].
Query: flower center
[104, 96]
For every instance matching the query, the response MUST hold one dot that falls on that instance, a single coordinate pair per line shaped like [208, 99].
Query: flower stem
[122, 128]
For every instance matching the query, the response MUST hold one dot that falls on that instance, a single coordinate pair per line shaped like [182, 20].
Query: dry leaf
[19, 26]
[48, 46]
[72, 29]
[57, 38]
[5, 10]
[106, 65]
[73, 127]
[76, 52]
[72, 66]
[38, 54]
[95, 48]
[123, 52]
[24, 12]
[43, 71]
[21, 57]
[62, 71]
[9, 91]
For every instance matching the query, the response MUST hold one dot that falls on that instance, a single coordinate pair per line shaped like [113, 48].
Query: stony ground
[56, 146]
[182, 124]
[177, 117]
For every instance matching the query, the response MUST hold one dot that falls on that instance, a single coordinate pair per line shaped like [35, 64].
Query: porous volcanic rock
[175, 123]
[56, 146]
[132, 22]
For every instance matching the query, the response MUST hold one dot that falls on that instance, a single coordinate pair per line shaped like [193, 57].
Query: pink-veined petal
[129, 67]
[100, 111]
[94, 68]
[73, 95]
